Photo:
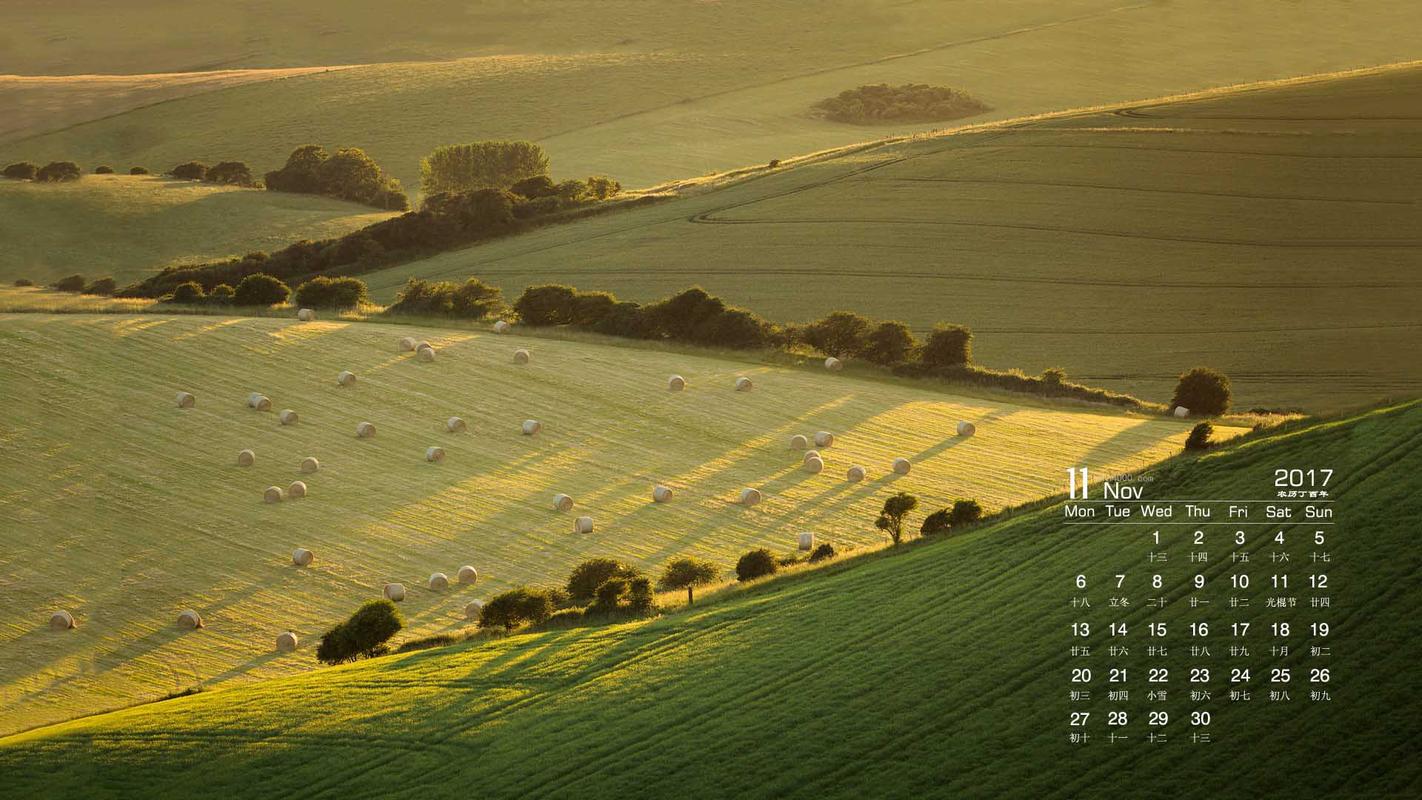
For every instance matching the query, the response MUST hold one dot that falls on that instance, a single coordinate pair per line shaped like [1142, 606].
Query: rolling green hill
[645, 91]
[129, 226]
[1271, 233]
[939, 671]
[125, 509]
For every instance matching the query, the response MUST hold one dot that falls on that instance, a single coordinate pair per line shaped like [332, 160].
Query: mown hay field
[124, 509]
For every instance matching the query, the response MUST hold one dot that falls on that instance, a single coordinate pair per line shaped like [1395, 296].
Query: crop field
[920, 673]
[1269, 233]
[129, 226]
[125, 509]
[644, 91]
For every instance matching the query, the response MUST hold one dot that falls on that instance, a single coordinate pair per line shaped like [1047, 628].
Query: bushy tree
[230, 173]
[260, 289]
[572, 190]
[138, 170]
[822, 553]
[756, 564]
[586, 577]
[688, 573]
[842, 334]
[965, 512]
[535, 187]
[1201, 437]
[601, 187]
[937, 522]
[682, 315]
[517, 607]
[948, 346]
[639, 595]
[589, 308]
[189, 171]
[103, 287]
[58, 172]
[610, 594]
[473, 299]
[1204, 391]
[188, 293]
[22, 282]
[549, 304]
[352, 175]
[480, 165]
[301, 173]
[20, 171]
[71, 283]
[891, 517]
[324, 292]
[103, 169]
[221, 294]
[888, 343]
[1053, 376]
[363, 635]
[625, 319]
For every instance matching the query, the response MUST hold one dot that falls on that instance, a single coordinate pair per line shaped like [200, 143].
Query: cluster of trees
[324, 292]
[894, 515]
[472, 299]
[520, 167]
[364, 635]
[910, 102]
[601, 586]
[692, 316]
[350, 174]
[226, 173]
[76, 284]
[53, 172]
[845, 334]
[253, 290]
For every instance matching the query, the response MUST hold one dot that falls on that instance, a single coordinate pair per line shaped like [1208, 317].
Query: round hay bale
[395, 591]
[521, 356]
[407, 344]
[854, 474]
[62, 621]
[809, 454]
[966, 428]
[531, 427]
[455, 425]
[259, 401]
[302, 557]
[661, 494]
[468, 574]
[310, 464]
[434, 455]
[186, 400]
[806, 541]
[743, 384]
[676, 383]
[287, 642]
[365, 430]
[438, 581]
[1182, 412]
[798, 442]
[814, 466]
[190, 620]
[833, 364]
[345, 378]
[750, 497]
[273, 494]
[288, 417]
[474, 609]
[562, 502]
[583, 525]
[306, 315]
[902, 466]
[501, 327]
[425, 354]
[246, 458]
[824, 439]
[296, 489]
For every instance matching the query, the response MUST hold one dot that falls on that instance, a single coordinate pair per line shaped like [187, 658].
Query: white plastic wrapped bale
[1182, 412]
[306, 315]
[395, 591]
[259, 401]
[186, 400]
[346, 378]
[743, 384]
[501, 327]
[806, 541]
[531, 427]
[833, 364]
[583, 525]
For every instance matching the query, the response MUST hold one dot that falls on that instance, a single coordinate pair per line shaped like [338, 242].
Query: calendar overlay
[1216, 607]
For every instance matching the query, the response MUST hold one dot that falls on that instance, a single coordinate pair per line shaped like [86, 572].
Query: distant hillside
[940, 671]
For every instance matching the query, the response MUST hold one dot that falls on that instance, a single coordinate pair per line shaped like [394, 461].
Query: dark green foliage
[610, 594]
[535, 187]
[601, 187]
[910, 102]
[72, 283]
[842, 334]
[472, 299]
[323, 292]
[937, 522]
[589, 308]
[516, 607]
[20, 171]
[24, 282]
[230, 173]
[300, 173]
[549, 304]
[586, 577]
[822, 553]
[221, 294]
[1204, 391]
[104, 287]
[363, 635]
[190, 292]
[138, 170]
[480, 165]
[948, 346]
[640, 598]
[891, 518]
[625, 319]
[348, 175]
[888, 343]
[756, 564]
[103, 169]
[189, 171]
[572, 190]
[260, 290]
[688, 573]
[965, 512]
[1053, 376]
[428, 642]
[57, 172]
[1200, 437]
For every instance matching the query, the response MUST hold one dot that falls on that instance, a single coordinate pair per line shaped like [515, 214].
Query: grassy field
[1270, 233]
[644, 91]
[126, 509]
[939, 671]
[129, 226]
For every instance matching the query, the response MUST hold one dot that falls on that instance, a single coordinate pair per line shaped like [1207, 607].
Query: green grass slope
[941, 671]
[129, 226]
[1270, 233]
[124, 509]
[655, 91]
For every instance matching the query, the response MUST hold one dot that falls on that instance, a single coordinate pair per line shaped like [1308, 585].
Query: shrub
[352, 175]
[138, 170]
[639, 595]
[535, 187]
[688, 573]
[260, 290]
[103, 169]
[104, 287]
[627, 320]
[965, 512]
[438, 640]
[480, 165]
[58, 171]
[517, 607]
[1203, 391]
[301, 173]
[589, 308]
[735, 328]
[610, 594]
[188, 293]
[549, 304]
[680, 316]
[910, 102]
[1053, 376]
[822, 553]
[601, 187]
[586, 577]
[72, 283]
[474, 299]
[221, 294]
[230, 173]
[842, 334]
[20, 171]
[363, 635]
[889, 343]
[756, 564]
[1200, 437]
[774, 163]
[891, 517]
[572, 190]
[948, 346]
[24, 282]
[189, 171]
[937, 522]
[323, 292]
